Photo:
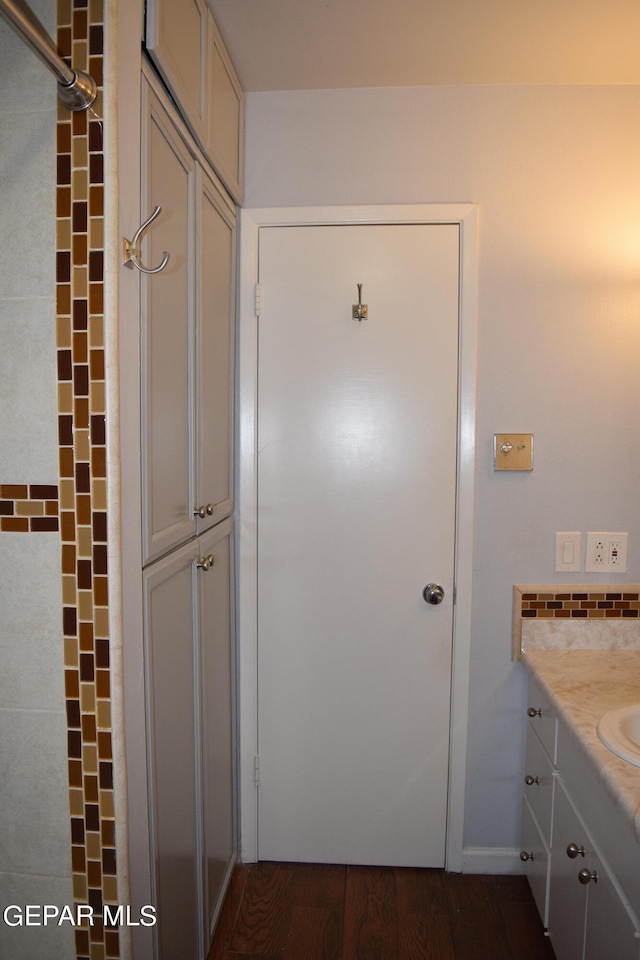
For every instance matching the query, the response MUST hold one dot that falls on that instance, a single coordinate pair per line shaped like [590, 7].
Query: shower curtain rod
[76, 89]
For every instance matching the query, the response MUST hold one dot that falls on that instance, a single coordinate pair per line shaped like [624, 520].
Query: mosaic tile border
[579, 607]
[592, 604]
[83, 483]
[28, 508]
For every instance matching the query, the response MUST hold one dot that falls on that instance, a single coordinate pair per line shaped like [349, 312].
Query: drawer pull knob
[573, 851]
[524, 856]
[529, 780]
[206, 563]
[532, 712]
[200, 512]
[585, 876]
[210, 509]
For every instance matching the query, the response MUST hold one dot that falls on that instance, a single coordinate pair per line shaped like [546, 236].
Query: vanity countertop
[582, 686]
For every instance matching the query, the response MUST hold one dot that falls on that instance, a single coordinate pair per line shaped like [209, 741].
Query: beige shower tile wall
[83, 478]
[35, 848]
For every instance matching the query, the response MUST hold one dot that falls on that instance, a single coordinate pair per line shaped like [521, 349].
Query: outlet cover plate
[606, 552]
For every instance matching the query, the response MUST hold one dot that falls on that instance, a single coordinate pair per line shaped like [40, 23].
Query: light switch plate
[568, 552]
[513, 451]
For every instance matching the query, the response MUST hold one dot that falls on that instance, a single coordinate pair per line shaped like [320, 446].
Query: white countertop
[582, 686]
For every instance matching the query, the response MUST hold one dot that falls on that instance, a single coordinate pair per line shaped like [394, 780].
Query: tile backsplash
[592, 617]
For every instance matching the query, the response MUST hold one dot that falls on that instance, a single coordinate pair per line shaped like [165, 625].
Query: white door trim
[466, 216]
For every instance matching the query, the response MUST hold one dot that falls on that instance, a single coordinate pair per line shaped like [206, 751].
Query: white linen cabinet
[187, 362]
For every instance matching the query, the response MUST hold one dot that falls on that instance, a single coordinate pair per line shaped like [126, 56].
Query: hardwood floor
[283, 911]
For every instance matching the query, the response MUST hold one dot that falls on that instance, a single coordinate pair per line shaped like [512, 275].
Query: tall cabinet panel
[177, 39]
[168, 323]
[215, 343]
[171, 666]
[226, 116]
[217, 661]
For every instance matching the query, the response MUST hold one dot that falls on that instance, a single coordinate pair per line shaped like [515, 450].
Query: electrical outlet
[606, 553]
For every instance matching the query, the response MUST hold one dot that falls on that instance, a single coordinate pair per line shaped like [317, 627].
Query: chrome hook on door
[360, 310]
[132, 251]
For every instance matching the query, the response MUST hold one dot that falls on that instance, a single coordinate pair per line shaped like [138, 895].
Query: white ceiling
[317, 44]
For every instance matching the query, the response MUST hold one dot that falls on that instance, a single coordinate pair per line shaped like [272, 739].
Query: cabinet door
[538, 785]
[173, 753]
[218, 716]
[214, 351]
[537, 863]
[177, 40]
[610, 931]
[168, 314]
[567, 896]
[226, 117]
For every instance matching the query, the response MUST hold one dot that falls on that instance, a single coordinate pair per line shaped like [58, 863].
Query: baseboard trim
[496, 860]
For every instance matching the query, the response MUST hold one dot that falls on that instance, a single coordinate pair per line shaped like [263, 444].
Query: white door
[357, 427]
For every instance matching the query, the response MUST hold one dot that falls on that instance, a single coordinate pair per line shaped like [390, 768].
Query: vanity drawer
[542, 719]
[538, 784]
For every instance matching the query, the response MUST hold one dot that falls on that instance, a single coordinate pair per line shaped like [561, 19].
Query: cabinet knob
[526, 856]
[532, 712]
[573, 851]
[200, 512]
[210, 509]
[585, 876]
[529, 780]
[206, 563]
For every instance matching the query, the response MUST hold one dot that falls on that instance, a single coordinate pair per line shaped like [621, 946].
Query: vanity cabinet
[580, 859]
[186, 47]
[189, 680]
[187, 338]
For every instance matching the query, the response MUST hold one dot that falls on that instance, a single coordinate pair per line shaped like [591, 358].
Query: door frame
[251, 221]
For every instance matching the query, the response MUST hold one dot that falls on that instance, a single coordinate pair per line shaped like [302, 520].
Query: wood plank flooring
[284, 911]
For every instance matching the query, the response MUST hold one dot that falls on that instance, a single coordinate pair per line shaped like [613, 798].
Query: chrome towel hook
[132, 251]
[360, 310]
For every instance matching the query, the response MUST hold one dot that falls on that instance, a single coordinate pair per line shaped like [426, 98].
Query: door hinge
[258, 303]
[256, 770]
[455, 595]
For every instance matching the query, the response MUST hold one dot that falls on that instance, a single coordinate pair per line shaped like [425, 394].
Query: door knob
[433, 593]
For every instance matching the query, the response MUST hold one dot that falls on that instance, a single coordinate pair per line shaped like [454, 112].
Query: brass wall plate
[513, 451]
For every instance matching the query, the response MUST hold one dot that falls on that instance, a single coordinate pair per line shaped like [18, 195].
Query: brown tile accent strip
[82, 489]
[27, 508]
[582, 604]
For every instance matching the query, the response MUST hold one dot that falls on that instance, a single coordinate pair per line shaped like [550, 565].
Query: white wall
[35, 844]
[556, 174]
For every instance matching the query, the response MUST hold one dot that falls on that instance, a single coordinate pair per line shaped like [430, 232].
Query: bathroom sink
[619, 730]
